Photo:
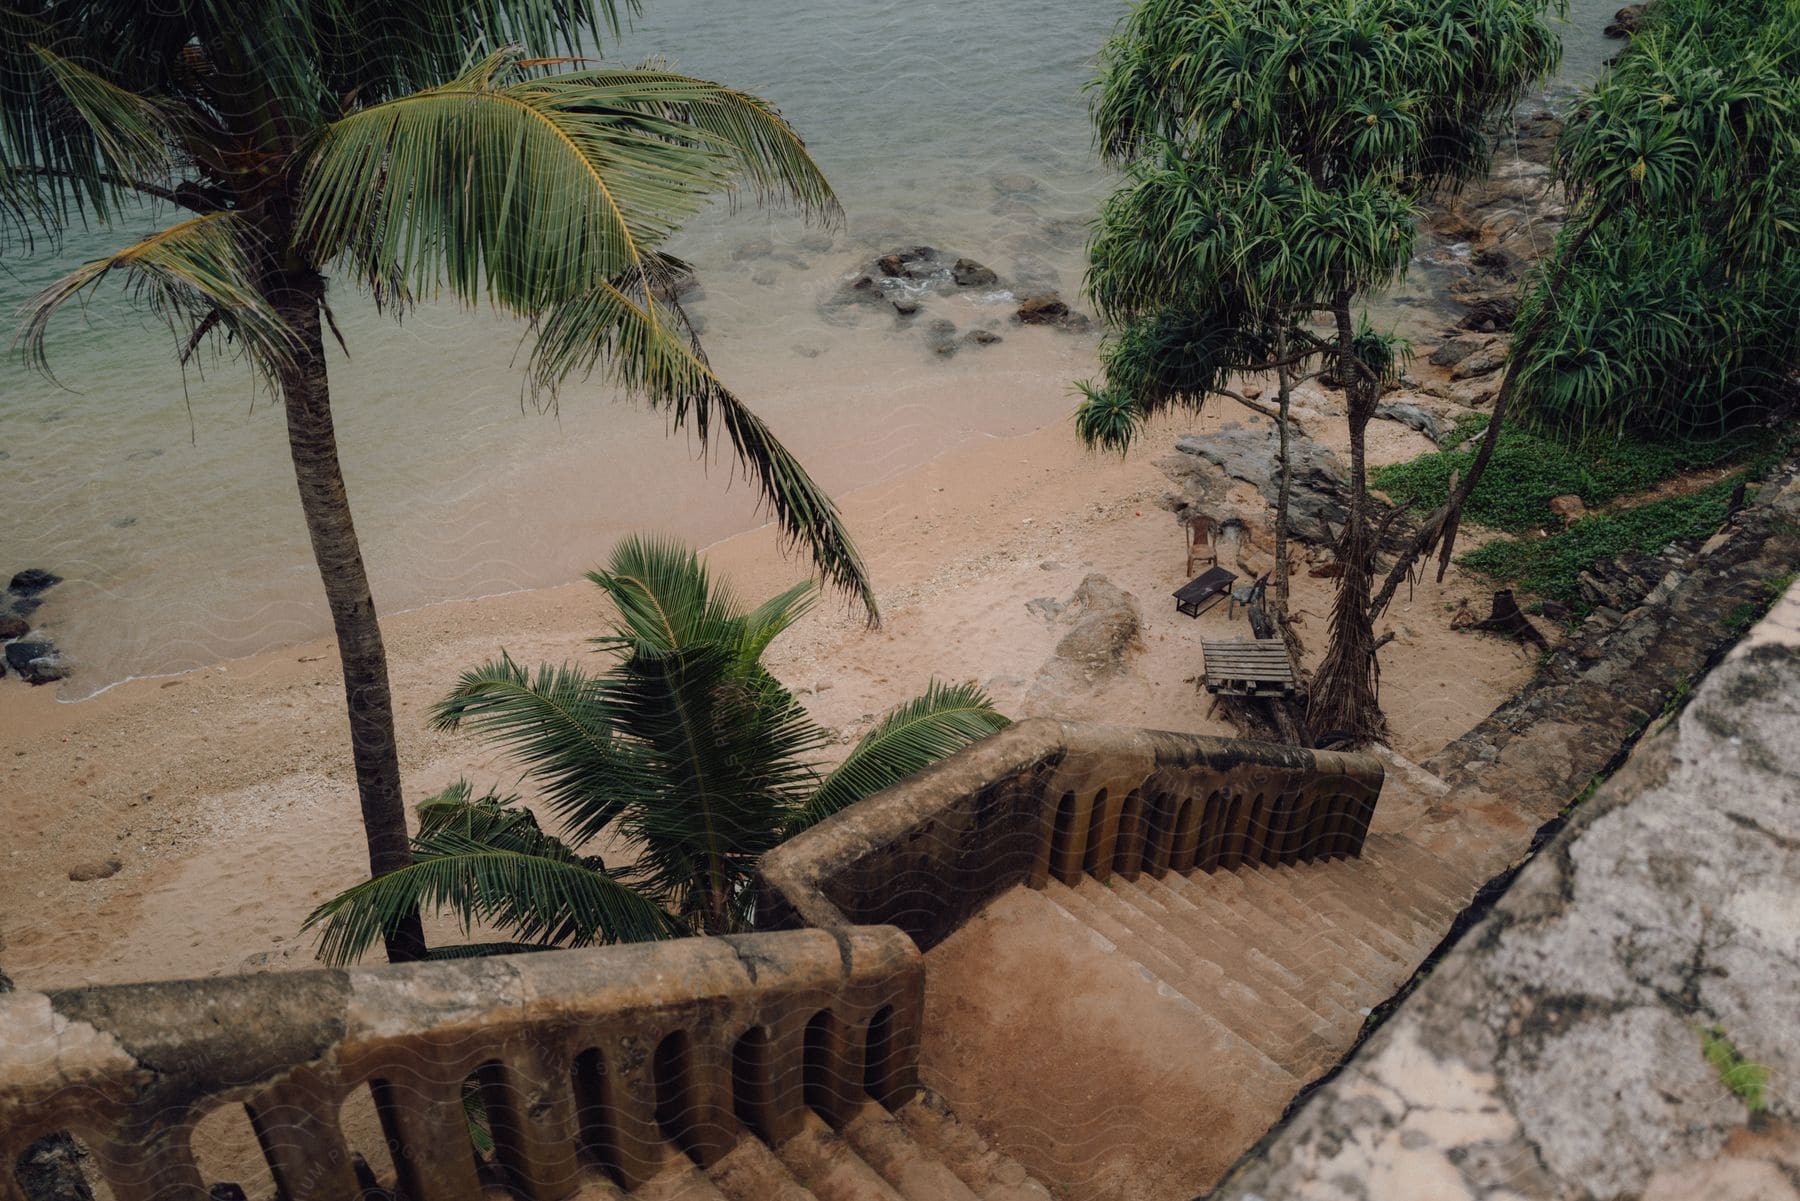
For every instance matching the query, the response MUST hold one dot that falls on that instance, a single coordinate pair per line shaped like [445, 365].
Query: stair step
[1230, 1022]
[1283, 1029]
[1380, 915]
[752, 1172]
[1400, 860]
[1325, 993]
[1249, 889]
[992, 1174]
[1312, 904]
[822, 1161]
[1226, 903]
[884, 1145]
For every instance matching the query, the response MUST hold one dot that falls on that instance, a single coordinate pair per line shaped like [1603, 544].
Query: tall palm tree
[687, 750]
[411, 148]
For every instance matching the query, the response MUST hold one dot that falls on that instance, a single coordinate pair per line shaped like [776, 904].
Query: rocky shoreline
[28, 651]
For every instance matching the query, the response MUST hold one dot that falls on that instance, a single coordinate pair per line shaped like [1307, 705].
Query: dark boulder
[32, 581]
[1491, 314]
[13, 626]
[36, 662]
[970, 274]
[1045, 308]
[1627, 21]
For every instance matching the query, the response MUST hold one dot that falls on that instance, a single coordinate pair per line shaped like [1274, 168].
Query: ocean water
[165, 497]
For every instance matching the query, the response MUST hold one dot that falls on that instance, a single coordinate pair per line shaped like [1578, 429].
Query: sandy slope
[228, 792]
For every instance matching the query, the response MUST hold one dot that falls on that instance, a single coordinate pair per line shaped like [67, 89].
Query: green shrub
[1527, 471]
[1550, 566]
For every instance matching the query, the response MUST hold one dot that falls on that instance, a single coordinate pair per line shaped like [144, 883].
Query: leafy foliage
[1748, 1081]
[1679, 310]
[1528, 470]
[1275, 154]
[1550, 566]
[687, 751]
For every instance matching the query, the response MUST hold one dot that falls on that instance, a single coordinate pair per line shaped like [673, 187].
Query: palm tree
[412, 148]
[687, 750]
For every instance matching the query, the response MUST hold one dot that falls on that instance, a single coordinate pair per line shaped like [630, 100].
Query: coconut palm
[410, 148]
[686, 751]
[1275, 155]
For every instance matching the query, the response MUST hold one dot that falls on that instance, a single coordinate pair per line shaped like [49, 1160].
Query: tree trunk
[1345, 699]
[1284, 382]
[312, 442]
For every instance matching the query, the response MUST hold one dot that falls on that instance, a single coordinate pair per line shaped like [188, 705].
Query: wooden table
[1257, 667]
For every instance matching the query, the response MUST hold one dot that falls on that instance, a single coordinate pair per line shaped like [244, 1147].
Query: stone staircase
[918, 1153]
[1289, 961]
[1223, 993]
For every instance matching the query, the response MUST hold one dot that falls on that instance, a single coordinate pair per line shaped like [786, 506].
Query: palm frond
[643, 349]
[559, 724]
[492, 865]
[665, 597]
[133, 133]
[551, 196]
[941, 721]
[195, 275]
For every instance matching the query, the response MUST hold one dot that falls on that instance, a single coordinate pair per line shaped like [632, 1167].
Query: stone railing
[596, 1060]
[1047, 799]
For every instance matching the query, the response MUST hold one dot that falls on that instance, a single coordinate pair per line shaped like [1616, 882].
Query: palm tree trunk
[312, 442]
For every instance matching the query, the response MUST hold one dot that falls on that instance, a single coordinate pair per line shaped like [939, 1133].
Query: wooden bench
[1255, 667]
[1204, 591]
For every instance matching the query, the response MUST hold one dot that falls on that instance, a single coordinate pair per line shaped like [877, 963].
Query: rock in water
[36, 662]
[970, 274]
[940, 335]
[1042, 309]
[32, 581]
[13, 626]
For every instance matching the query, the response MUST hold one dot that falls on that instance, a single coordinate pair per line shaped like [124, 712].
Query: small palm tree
[688, 750]
[408, 148]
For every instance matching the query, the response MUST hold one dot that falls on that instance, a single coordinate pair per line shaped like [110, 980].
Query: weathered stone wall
[1049, 798]
[1560, 1050]
[609, 1053]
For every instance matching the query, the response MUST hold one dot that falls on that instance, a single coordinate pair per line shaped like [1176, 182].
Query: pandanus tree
[1670, 302]
[686, 753]
[410, 149]
[1275, 155]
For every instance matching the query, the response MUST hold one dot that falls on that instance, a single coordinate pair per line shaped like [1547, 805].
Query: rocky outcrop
[36, 660]
[1106, 627]
[905, 282]
[1206, 465]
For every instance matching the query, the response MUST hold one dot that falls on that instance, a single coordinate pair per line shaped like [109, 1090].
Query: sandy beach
[228, 796]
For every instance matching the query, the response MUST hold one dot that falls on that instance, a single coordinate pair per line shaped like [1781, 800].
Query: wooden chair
[1202, 542]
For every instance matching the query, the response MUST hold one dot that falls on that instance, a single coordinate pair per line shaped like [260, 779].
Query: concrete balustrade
[1046, 799]
[586, 1061]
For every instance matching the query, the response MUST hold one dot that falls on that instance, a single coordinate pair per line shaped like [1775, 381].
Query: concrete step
[990, 1173]
[819, 1158]
[1313, 903]
[1282, 1028]
[1228, 1021]
[752, 1172]
[1316, 987]
[916, 1174]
